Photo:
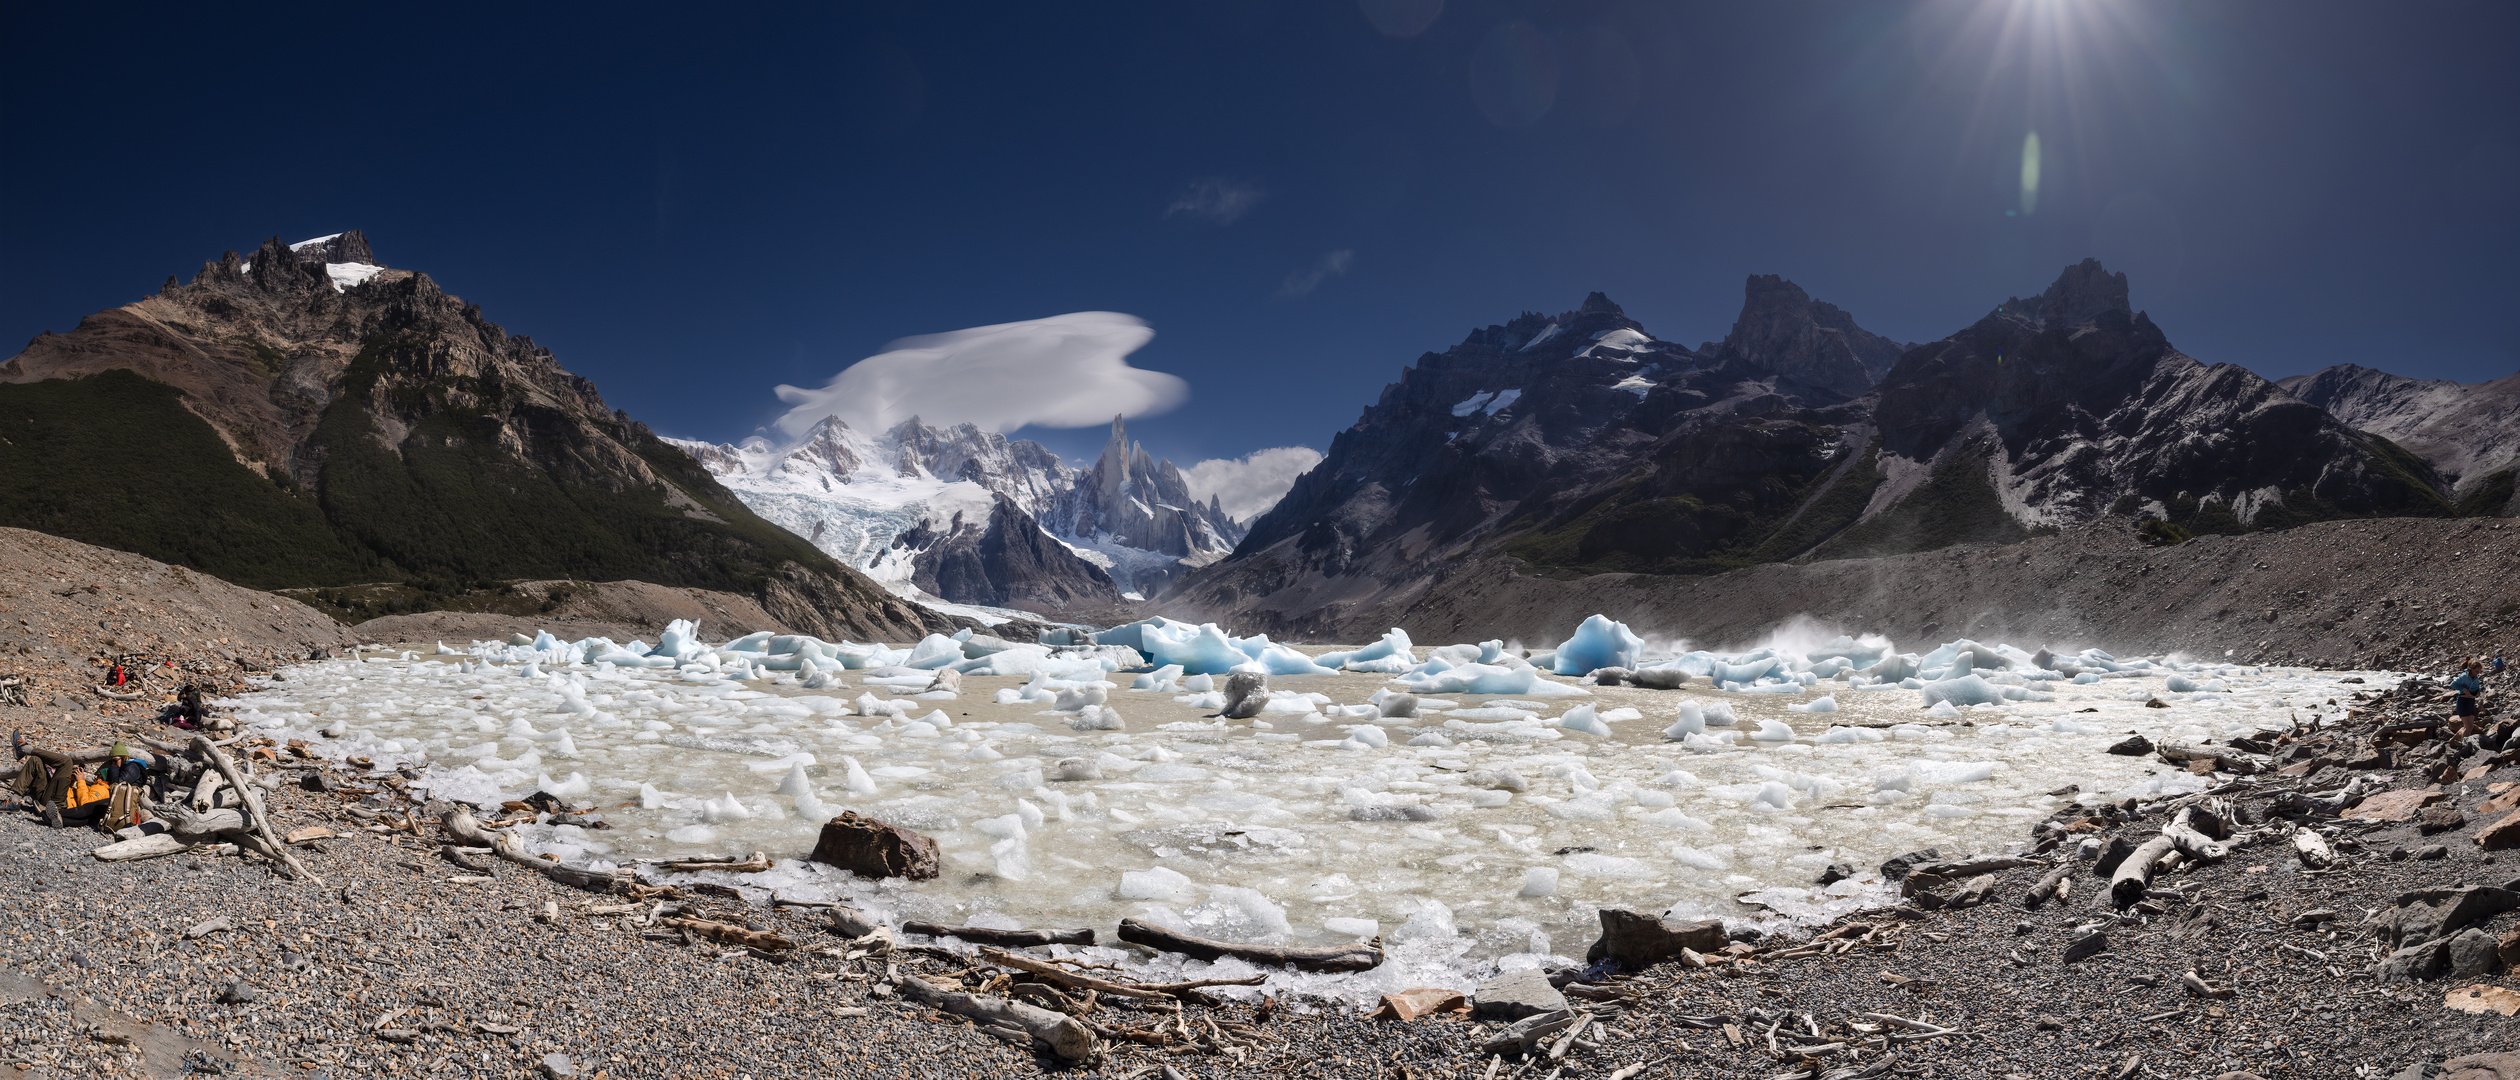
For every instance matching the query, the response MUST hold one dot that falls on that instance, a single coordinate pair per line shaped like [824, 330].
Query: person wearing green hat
[126, 777]
[65, 794]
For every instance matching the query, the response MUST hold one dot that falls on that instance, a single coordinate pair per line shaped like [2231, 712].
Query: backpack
[84, 788]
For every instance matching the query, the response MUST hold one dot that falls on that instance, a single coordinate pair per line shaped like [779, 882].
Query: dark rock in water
[1836, 872]
[544, 801]
[1610, 676]
[1660, 678]
[2132, 746]
[1636, 941]
[237, 993]
[870, 848]
[1744, 934]
[1898, 866]
[1516, 994]
[1245, 693]
[1401, 706]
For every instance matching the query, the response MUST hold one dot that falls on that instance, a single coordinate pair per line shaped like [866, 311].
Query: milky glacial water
[1299, 827]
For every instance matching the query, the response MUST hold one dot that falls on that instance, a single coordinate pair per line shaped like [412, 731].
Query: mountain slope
[971, 517]
[2470, 432]
[426, 440]
[1650, 458]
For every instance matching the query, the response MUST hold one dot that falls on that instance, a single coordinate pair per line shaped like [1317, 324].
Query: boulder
[1836, 872]
[1245, 693]
[2414, 962]
[870, 848]
[1637, 941]
[1424, 1000]
[2393, 805]
[2435, 914]
[1659, 678]
[2440, 819]
[1899, 865]
[2471, 953]
[2501, 834]
[2499, 1065]
[1515, 995]
[2132, 746]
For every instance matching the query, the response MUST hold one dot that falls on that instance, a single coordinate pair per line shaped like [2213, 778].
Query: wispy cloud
[1249, 485]
[1063, 371]
[1217, 199]
[1303, 282]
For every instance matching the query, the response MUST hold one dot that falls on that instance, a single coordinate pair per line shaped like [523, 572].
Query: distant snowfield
[1320, 821]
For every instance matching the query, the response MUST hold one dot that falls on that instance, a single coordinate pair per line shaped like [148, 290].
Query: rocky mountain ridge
[1579, 445]
[971, 517]
[2470, 432]
[308, 416]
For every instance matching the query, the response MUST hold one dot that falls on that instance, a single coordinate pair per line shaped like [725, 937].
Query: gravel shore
[402, 963]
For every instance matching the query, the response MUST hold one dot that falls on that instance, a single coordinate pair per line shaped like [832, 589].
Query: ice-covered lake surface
[1483, 833]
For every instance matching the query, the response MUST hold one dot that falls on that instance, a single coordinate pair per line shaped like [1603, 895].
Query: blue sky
[692, 205]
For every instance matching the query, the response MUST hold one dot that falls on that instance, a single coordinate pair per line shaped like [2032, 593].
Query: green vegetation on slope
[1956, 505]
[2489, 496]
[116, 460]
[455, 503]
[1800, 499]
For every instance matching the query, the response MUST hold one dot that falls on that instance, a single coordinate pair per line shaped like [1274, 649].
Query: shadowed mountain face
[1577, 444]
[310, 417]
[2471, 433]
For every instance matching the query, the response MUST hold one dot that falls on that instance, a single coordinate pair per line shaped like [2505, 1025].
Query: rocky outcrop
[377, 429]
[870, 848]
[1576, 445]
[2469, 432]
[1004, 560]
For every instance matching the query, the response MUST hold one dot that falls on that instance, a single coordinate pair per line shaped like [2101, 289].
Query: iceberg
[1598, 643]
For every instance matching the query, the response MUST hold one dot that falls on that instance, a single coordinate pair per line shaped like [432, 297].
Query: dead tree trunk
[1359, 957]
[258, 818]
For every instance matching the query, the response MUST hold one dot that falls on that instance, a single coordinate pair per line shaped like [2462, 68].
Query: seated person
[66, 794]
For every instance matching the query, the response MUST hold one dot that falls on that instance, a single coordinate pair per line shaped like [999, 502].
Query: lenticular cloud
[1063, 371]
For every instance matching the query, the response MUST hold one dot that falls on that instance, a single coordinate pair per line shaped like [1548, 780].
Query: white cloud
[1249, 485]
[1217, 199]
[1303, 282]
[1063, 371]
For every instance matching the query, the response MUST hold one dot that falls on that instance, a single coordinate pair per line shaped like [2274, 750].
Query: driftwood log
[1065, 1036]
[145, 847]
[2057, 884]
[2228, 761]
[462, 825]
[1934, 875]
[763, 940]
[258, 818]
[2179, 837]
[1074, 980]
[1013, 939]
[1358, 957]
[723, 864]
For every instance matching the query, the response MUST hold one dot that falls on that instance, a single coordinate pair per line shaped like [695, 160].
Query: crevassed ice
[1484, 831]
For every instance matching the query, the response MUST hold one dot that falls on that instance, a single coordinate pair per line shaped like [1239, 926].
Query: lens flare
[2030, 174]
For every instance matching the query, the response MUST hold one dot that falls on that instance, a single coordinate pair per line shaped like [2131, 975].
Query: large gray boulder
[1515, 995]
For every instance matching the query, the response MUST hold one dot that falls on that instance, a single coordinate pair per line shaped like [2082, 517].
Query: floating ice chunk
[855, 781]
[1773, 796]
[1490, 679]
[1720, 714]
[796, 782]
[1071, 770]
[692, 834]
[1585, 719]
[1672, 818]
[1098, 718]
[1590, 806]
[721, 811]
[1369, 735]
[1360, 929]
[1845, 735]
[1430, 738]
[650, 798]
[1198, 684]
[1598, 643]
[1080, 697]
[1772, 731]
[1280, 660]
[1431, 922]
[1965, 690]
[1539, 881]
[1678, 780]
[1490, 799]
[1943, 710]
[1823, 703]
[1952, 772]
[1708, 742]
[1692, 722]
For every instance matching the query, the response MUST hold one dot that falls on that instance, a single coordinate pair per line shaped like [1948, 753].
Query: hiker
[66, 794]
[2467, 709]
